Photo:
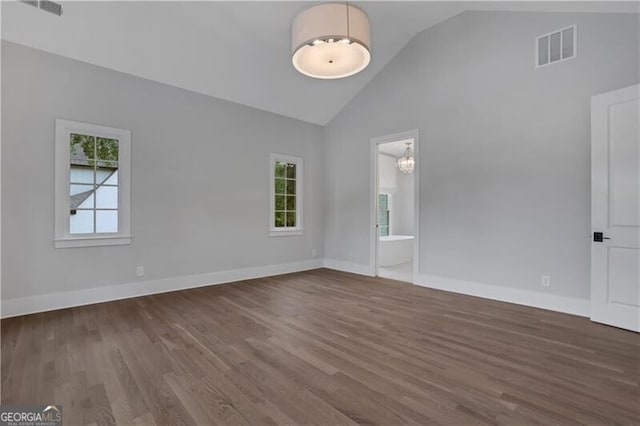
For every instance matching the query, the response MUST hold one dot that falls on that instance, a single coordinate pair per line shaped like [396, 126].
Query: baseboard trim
[569, 305]
[354, 268]
[69, 299]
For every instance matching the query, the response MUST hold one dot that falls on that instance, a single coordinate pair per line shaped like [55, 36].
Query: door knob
[599, 237]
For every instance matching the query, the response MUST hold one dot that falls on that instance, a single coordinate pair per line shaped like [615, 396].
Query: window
[557, 46]
[92, 187]
[286, 195]
[383, 214]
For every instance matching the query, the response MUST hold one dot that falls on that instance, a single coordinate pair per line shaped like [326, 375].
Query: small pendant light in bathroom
[407, 162]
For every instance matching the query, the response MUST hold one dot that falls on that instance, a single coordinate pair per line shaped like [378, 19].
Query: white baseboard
[535, 299]
[68, 299]
[354, 268]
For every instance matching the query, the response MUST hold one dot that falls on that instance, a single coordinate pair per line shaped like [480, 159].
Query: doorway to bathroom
[394, 235]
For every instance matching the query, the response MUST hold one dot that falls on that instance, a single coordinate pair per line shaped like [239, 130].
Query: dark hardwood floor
[321, 347]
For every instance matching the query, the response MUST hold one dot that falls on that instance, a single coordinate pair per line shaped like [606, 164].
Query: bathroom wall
[399, 186]
[402, 219]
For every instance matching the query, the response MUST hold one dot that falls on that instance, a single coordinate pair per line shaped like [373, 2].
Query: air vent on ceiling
[46, 5]
[556, 46]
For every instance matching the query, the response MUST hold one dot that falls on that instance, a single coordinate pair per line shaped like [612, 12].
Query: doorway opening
[395, 190]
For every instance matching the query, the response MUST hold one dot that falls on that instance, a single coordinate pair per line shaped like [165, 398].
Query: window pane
[280, 202]
[543, 50]
[291, 187]
[111, 178]
[78, 189]
[107, 197]
[382, 201]
[384, 231]
[81, 174]
[105, 176]
[107, 152]
[384, 217]
[280, 186]
[291, 202]
[81, 196]
[106, 221]
[82, 149]
[291, 219]
[567, 43]
[555, 47]
[280, 170]
[279, 222]
[81, 222]
[291, 171]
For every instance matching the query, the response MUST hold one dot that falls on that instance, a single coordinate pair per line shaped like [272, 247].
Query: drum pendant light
[330, 41]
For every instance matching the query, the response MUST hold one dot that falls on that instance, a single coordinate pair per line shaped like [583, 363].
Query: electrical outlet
[545, 281]
[140, 271]
[313, 253]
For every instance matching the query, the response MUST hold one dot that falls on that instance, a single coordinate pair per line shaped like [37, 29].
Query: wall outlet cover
[546, 281]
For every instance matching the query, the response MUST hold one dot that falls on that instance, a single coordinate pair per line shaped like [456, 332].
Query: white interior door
[615, 208]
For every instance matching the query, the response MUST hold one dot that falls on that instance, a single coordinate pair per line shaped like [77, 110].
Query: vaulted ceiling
[238, 51]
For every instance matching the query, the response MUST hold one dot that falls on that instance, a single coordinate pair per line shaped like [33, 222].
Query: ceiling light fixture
[407, 162]
[330, 41]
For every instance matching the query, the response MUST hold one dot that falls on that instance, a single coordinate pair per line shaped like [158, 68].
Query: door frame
[373, 204]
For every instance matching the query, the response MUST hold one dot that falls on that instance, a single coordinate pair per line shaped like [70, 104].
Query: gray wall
[199, 177]
[504, 147]
[404, 210]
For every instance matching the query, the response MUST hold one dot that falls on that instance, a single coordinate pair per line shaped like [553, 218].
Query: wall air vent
[51, 7]
[46, 5]
[33, 3]
[556, 46]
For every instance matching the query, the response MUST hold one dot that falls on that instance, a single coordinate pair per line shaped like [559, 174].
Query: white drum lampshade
[330, 41]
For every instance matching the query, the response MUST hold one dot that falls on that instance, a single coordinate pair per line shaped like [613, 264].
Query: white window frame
[63, 237]
[389, 198]
[298, 229]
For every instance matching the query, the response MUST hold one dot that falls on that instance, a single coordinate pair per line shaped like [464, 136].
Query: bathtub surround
[184, 233]
[395, 257]
[504, 152]
[395, 249]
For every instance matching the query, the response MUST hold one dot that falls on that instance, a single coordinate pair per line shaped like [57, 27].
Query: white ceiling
[396, 148]
[237, 51]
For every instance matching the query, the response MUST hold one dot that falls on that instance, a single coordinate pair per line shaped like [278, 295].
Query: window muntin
[92, 185]
[286, 189]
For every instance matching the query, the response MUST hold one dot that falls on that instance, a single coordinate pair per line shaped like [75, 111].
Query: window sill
[92, 241]
[285, 232]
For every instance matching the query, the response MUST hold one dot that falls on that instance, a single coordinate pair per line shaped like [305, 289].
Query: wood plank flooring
[321, 347]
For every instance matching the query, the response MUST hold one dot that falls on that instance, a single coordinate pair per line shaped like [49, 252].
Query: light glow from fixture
[330, 41]
[407, 162]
